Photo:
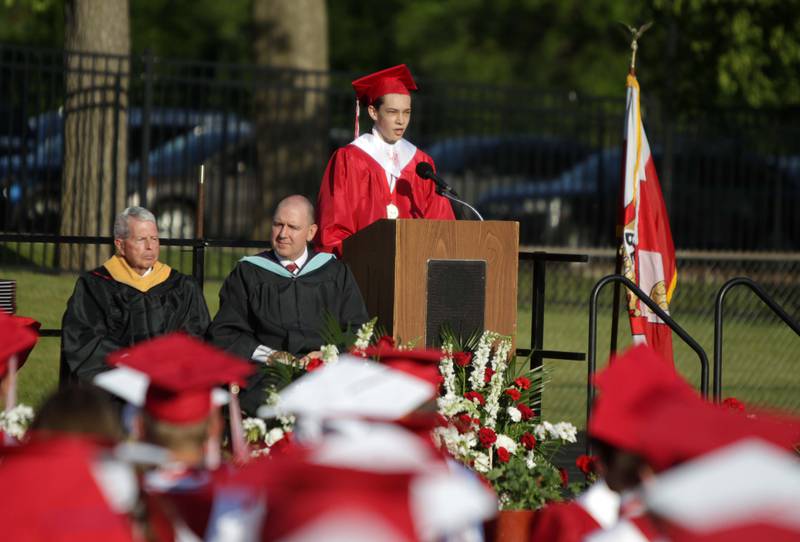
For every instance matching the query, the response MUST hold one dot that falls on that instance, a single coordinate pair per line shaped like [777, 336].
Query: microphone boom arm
[444, 193]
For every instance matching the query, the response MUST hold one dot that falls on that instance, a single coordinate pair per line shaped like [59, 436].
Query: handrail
[653, 306]
[718, 305]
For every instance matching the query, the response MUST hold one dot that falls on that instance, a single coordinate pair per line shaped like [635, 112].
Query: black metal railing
[547, 159]
[718, 322]
[653, 306]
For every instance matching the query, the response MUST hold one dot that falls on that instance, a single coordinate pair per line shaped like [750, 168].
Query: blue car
[719, 199]
[179, 142]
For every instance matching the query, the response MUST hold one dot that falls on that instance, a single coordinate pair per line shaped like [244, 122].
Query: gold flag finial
[635, 34]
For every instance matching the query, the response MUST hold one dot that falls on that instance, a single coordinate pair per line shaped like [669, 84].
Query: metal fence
[548, 159]
[761, 361]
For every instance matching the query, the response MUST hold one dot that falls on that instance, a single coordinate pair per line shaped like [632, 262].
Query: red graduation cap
[631, 388]
[423, 364]
[183, 371]
[394, 80]
[17, 338]
[677, 432]
[50, 493]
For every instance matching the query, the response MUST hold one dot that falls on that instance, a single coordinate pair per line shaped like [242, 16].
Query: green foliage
[280, 375]
[207, 30]
[517, 482]
[699, 53]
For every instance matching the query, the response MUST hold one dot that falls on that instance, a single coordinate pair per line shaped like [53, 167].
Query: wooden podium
[416, 275]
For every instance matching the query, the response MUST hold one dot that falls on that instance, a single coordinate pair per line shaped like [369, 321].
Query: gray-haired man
[130, 298]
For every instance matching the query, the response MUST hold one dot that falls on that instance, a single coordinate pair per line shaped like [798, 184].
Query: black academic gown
[262, 303]
[104, 315]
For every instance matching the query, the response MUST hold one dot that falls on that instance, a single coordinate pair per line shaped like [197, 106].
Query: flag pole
[635, 34]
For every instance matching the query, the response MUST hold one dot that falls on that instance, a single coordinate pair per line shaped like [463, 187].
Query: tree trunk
[97, 40]
[290, 101]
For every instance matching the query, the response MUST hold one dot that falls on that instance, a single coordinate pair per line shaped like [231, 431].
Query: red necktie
[291, 267]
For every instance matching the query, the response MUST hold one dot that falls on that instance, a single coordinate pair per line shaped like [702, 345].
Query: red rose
[475, 396]
[522, 383]
[528, 440]
[440, 420]
[462, 359]
[586, 464]
[284, 445]
[514, 394]
[314, 364]
[463, 422]
[734, 404]
[564, 476]
[487, 375]
[386, 341]
[487, 437]
[525, 410]
[503, 455]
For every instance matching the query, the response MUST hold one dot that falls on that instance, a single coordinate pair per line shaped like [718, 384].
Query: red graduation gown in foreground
[355, 192]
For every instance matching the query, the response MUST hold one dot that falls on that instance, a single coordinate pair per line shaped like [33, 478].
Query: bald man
[272, 307]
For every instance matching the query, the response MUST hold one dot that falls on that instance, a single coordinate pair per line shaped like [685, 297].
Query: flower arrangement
[15, 422]
[493, 428]
[488, 405]
[264, 436]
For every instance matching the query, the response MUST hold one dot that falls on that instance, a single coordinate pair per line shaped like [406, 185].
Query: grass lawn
[761, 361]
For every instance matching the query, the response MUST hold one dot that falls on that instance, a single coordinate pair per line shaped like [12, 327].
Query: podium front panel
[456, 298]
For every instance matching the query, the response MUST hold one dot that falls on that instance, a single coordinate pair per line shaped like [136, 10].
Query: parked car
[477, 165]
[179, 141]
[719, 199]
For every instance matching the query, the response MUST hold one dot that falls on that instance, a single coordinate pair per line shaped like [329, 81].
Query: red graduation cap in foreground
[422, 364]
[183, 371]
[50, 494]
[632, 387]
[17, 338]
[679, 432]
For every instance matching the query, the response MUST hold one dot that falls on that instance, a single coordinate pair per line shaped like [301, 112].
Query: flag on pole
[647, 251]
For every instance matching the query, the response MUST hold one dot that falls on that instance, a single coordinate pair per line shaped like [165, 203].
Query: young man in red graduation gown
[375, 176]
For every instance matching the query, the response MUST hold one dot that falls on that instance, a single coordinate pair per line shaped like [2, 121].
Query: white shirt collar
[299, 262]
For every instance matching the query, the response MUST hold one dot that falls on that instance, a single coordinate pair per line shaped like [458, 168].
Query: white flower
[450, 405]
[504, 441]
[504, 500]
[482, 463]
[330, 354]
[530, 460]
[562, 430]
[499, 365]
[274, 436]
[287, 422]
[364, 334]
[540, 430]
[447, 370]
[480, 359]
[566, 431]
[254, 429]
[458, 445]
[15, 422]
[514, 414]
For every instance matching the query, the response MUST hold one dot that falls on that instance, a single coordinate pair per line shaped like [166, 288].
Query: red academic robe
[572, 521]
[355, 190]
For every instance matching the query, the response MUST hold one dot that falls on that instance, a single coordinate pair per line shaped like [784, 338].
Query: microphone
[425, 170]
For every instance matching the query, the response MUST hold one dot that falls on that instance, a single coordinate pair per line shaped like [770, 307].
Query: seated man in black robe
[273, 306]
[130, 298]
